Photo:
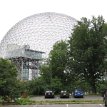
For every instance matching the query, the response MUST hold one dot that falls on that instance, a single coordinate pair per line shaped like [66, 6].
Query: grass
[30, 102]
[70, 102]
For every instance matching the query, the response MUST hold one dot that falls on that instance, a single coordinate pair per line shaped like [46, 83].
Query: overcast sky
[12, 11]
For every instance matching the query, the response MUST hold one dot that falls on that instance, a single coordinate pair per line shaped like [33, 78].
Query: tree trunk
[93, 87]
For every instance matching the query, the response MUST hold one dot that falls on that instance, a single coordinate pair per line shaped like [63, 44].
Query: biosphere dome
[39, 31]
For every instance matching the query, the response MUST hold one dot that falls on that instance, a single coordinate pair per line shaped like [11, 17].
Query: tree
[37, 86]
[56, 85]
[58, 60]
[46, 73]
[87, 50]
[8, 78]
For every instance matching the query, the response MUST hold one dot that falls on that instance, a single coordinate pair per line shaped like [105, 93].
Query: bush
[23, 101]
[36, 87]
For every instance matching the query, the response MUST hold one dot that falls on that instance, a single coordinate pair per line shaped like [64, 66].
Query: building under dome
[27, 61]
[38, 32]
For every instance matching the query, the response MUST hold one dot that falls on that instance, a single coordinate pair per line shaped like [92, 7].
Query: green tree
[45, 73]
[37, 86]
[56, 85]
[88, 46]
[8, 78]
[58, 60]
[50, 83]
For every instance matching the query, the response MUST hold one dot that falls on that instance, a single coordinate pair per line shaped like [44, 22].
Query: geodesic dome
[39, 31]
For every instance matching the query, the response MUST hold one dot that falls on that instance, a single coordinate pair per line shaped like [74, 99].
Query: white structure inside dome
[39, 31]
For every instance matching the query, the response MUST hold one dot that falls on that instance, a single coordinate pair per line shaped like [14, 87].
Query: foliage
[22, 89]
[8, 78]
[58, 60]
[88, 46]
[36, 86]
[46, 73]
[24, 101]
[56, 85]
[102, 85]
